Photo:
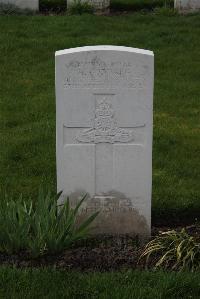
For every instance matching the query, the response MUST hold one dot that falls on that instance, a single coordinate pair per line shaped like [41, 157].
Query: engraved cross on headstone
[105, 134]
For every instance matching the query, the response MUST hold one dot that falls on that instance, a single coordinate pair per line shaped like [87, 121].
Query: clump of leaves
[165, 11]
[53, 229]
[176, 250]
[15, 222]
[80, 7]
[40, 228]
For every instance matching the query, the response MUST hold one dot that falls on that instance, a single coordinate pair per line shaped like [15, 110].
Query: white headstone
[23, 4]
[187, 5]
[96, 4]
[104, 99]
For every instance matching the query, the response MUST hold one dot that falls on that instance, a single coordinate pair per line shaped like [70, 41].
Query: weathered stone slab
[96, 4]
[104, 99]
[23, 4]
[187, 5]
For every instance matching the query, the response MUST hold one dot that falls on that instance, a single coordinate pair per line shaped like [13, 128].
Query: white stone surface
[187, 5]
[104, 99]
[23, 4]
[97, 4]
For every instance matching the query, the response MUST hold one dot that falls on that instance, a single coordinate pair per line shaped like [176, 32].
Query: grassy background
[27, 100]
[49, 283]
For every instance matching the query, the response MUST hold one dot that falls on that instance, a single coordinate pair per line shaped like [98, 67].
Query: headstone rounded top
[104, 48]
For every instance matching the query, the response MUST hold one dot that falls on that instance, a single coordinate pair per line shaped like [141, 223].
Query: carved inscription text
[97, 73]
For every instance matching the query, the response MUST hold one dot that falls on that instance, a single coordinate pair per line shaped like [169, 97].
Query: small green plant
[53, 228]
[80, 7]
[15, 220]
[40, 228]
[165, 11]
[176, 250]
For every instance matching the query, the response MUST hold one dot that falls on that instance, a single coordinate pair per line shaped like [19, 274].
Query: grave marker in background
[187, 6]
[104, 99]
[23, 4]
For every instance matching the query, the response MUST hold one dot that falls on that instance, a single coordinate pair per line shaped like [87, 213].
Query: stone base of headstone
[187, 6]
[23, 4]
[117, 217]
[98, 5]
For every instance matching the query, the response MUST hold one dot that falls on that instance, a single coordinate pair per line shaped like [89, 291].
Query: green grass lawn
[27, 100]
[50, 283]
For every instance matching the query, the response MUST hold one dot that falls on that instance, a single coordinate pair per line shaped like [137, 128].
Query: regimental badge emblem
[105, 129]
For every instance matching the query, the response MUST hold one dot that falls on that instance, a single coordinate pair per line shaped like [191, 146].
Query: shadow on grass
[137, 5]
[117, 5]
[173, 217]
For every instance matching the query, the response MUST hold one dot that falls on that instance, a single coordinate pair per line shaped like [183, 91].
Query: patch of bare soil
[100, 254]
